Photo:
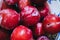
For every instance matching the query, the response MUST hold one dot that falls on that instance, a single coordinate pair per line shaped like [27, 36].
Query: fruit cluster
[27, 20]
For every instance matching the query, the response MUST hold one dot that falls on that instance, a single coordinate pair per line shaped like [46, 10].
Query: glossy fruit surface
[51, 24]
[11, 2]
[44, 11]
[21, 33]
[43, 38]
[38, 29]
[23, 3]
[3, 5]
[30, 15]
[9, 18]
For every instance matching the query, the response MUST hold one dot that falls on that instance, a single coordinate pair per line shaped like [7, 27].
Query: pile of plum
[27, 20]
